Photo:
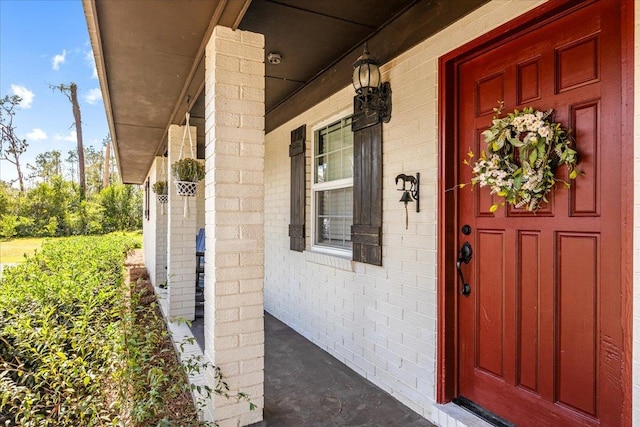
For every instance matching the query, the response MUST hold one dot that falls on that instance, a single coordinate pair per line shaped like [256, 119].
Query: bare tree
[11, 147]
[71, 92]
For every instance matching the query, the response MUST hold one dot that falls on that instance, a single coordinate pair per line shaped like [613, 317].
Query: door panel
[576, 348]
[541, 331]
[585, 200]
[489, 315]
[528, 357]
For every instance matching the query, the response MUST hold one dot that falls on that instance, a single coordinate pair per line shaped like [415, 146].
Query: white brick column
[234, 205]
[181, 237]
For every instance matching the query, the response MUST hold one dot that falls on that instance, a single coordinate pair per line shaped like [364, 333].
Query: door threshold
[450, 414]
[482, 413]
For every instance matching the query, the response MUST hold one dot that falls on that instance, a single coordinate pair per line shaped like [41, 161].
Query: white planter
[186, 188]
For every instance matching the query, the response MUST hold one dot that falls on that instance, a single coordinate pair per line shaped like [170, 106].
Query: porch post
[181, 238]
[234, 206]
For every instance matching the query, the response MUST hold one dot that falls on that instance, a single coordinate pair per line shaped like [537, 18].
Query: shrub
[80, 348]
[60, 317]
[8, 224]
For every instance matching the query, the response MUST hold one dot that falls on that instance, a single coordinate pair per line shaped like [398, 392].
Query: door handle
[464, 256]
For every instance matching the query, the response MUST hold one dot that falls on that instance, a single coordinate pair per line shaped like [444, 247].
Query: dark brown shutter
[366, 231]
[298, 185]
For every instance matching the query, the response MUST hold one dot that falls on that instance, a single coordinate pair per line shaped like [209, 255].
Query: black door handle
[464, 256]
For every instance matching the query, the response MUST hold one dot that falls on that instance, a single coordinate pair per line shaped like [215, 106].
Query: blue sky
[46, 42]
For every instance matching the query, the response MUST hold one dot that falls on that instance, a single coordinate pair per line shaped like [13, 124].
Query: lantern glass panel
[374, 76]
[356, 80]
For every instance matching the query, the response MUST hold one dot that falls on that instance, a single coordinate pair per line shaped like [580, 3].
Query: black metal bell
[406, 197]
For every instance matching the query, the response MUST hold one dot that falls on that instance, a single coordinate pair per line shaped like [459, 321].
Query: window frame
[325, 186]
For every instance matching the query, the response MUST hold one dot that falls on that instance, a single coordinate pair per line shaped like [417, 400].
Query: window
[332, 188]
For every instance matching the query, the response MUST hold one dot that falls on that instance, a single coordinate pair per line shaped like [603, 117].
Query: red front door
[539, 337]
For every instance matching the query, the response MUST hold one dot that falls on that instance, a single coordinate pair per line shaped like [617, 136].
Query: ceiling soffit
[144, 55]
[150, 57]
[412, 23]
[310, 36]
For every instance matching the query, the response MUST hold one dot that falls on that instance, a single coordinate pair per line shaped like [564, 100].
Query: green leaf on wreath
[516, 142]
[517, 182]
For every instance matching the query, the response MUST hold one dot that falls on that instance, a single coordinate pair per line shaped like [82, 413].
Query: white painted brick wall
[155, 231]
[181, 234]
[149, 230]
[380, 321]
[199, 212]
[234, 220]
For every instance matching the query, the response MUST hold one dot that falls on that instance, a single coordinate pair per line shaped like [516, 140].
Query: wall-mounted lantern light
[411, 194]
[373, 97]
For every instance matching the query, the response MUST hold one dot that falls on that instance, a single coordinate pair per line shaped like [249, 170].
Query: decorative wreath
[523, 150]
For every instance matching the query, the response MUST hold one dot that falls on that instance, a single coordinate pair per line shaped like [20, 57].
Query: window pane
[321, 165]
[347, 134]
[333, 156]
[334, 210]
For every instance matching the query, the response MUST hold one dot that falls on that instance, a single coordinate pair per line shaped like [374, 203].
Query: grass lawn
[13, 250]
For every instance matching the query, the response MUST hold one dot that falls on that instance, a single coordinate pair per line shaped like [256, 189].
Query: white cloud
[70, 137]
[59, 59]
[93, 96]
[24, 93]
[36, 134]
[91, 61]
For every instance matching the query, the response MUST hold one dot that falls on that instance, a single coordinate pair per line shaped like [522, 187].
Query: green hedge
[62, 327]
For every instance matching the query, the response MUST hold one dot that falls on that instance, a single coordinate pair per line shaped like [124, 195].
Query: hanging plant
[523, 150]
[160, 188]
[187, 172]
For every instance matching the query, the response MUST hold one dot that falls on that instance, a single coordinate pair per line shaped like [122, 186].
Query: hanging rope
[163, 169]
[184, 134]
[164, 198]
[186, 188]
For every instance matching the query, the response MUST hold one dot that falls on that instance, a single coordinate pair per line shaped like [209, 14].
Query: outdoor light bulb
[366, 74]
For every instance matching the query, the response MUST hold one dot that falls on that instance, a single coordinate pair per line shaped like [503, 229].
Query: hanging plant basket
[187, 171]
[186, 188]
[161, 188]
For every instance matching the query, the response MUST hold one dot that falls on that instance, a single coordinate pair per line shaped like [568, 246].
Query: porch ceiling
[150, 54]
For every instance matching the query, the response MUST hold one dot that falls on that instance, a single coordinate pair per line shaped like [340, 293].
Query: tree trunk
[20, 177]
[78, 120]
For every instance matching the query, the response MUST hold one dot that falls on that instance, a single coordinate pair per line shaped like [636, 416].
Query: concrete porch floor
[305, 386]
